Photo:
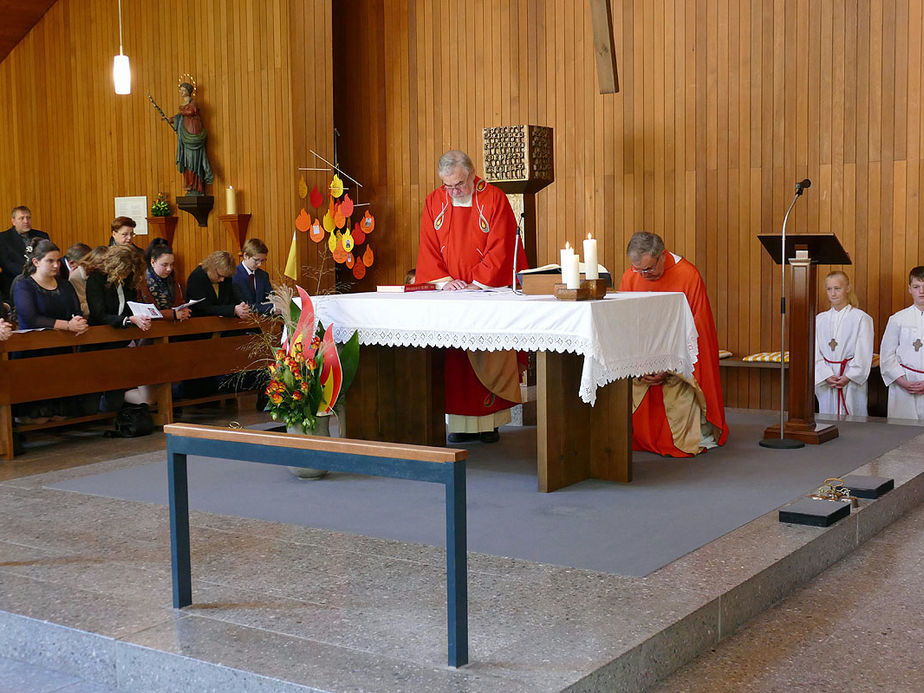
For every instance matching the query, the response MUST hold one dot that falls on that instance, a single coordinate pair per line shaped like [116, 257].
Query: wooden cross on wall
[601, 17]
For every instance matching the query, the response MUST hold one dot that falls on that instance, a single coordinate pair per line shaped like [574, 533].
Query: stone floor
[85, 585]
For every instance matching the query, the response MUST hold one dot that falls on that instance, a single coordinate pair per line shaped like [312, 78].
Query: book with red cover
[404, 288]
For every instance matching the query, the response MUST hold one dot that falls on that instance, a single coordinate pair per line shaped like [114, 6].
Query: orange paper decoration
[317, 231]
[340, 255]
[302, 221]
[316, 198]
[368, 257]
[368, 222]
[359, 270]
[347, 205]
[339, 219]
[350, 260]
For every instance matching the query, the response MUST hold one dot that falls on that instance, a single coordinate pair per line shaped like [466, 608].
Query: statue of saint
[191, 136]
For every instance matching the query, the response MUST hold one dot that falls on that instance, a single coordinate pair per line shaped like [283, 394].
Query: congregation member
[211, 282]
[161, 287]
[843, 351]
[113, 284]
[251, 281]
[467, 239]
[43, 299]
[901, 354]
[672, 415]
[13, 244]
[78, 277]
[122, 232]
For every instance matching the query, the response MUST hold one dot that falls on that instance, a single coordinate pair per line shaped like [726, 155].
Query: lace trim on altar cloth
[595, 373]
[467, 340]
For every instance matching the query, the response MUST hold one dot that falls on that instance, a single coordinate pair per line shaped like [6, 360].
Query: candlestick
[230, 201]
[590, 258]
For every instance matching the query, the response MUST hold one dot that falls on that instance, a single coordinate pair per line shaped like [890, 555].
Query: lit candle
[566, 253]
[230, 201]
[573, 275]
[590, 258]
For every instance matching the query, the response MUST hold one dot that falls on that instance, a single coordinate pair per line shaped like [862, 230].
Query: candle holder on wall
[236, 225]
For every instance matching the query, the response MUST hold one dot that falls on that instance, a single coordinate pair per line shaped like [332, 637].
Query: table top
[623, 335]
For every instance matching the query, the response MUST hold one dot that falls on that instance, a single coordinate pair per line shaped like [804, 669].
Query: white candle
[566, 253]
[573, 272]
[590, 258]
[230, 201]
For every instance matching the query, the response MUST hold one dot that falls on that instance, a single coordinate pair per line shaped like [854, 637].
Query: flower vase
[321, 428]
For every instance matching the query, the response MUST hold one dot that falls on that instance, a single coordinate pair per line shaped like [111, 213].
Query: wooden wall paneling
[724, 105]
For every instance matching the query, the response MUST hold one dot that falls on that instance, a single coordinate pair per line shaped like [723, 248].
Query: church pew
[158, 363]
[396, 460]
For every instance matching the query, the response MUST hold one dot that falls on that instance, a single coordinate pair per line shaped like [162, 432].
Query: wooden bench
[415, 462]
[877, 393]
[158, 364]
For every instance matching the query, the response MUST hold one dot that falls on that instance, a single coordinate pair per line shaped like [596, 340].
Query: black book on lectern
[824, 248]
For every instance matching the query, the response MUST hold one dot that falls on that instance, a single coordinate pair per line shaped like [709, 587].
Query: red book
[404, 288]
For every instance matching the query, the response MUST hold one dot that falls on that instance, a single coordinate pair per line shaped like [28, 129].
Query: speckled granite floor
[85, 590]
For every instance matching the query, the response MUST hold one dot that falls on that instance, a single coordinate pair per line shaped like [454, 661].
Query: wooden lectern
[816, 249]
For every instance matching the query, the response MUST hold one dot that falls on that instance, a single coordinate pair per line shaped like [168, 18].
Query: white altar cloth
[624, 335]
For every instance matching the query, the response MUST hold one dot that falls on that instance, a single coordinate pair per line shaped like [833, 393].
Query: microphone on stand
[802, 185]
[784, 443]
[521, 240]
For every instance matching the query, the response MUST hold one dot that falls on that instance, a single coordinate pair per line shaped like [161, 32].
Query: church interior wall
[722, 107]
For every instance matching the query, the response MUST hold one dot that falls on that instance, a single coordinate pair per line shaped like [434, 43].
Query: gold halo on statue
[189, 79]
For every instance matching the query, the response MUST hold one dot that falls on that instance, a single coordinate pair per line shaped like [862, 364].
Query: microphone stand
[783, 443]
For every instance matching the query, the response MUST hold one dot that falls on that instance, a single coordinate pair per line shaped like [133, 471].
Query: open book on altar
[542, 280]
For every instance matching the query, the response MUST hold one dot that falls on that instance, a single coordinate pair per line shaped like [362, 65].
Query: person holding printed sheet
[901, 354]
[843, 351]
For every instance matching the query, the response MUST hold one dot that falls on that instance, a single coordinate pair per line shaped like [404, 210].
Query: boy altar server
[901, 354]
[843, 351]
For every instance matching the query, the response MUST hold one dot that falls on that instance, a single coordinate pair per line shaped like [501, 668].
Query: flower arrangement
[309, 373]
[161, 208]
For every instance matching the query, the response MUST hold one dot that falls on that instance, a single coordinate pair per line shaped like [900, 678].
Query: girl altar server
[902, 354]
[843, 351]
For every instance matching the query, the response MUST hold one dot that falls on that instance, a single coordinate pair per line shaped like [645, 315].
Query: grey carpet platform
[85, 589]
[671, 508]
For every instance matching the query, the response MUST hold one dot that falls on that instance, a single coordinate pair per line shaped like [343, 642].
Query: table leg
[398, 395]
[577, 441]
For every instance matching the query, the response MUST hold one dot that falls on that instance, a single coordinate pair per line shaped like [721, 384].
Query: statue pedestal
[162, 227]
[197, 205]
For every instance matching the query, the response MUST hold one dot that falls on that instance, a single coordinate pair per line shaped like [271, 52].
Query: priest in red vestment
[467, 238]
[673, 415]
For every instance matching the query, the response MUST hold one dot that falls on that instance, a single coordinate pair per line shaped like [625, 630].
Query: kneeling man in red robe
[673, 415]
[467, 238]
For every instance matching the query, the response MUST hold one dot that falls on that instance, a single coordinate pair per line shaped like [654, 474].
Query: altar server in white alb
[901, 355]
[843, 351]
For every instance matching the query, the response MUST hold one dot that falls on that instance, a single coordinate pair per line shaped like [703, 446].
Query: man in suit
[13, 244]
[251, 283]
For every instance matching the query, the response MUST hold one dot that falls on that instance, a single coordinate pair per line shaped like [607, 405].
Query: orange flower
[297, 395]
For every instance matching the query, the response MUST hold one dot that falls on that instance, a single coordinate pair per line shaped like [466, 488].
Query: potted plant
[162, 222]
[309, 374]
